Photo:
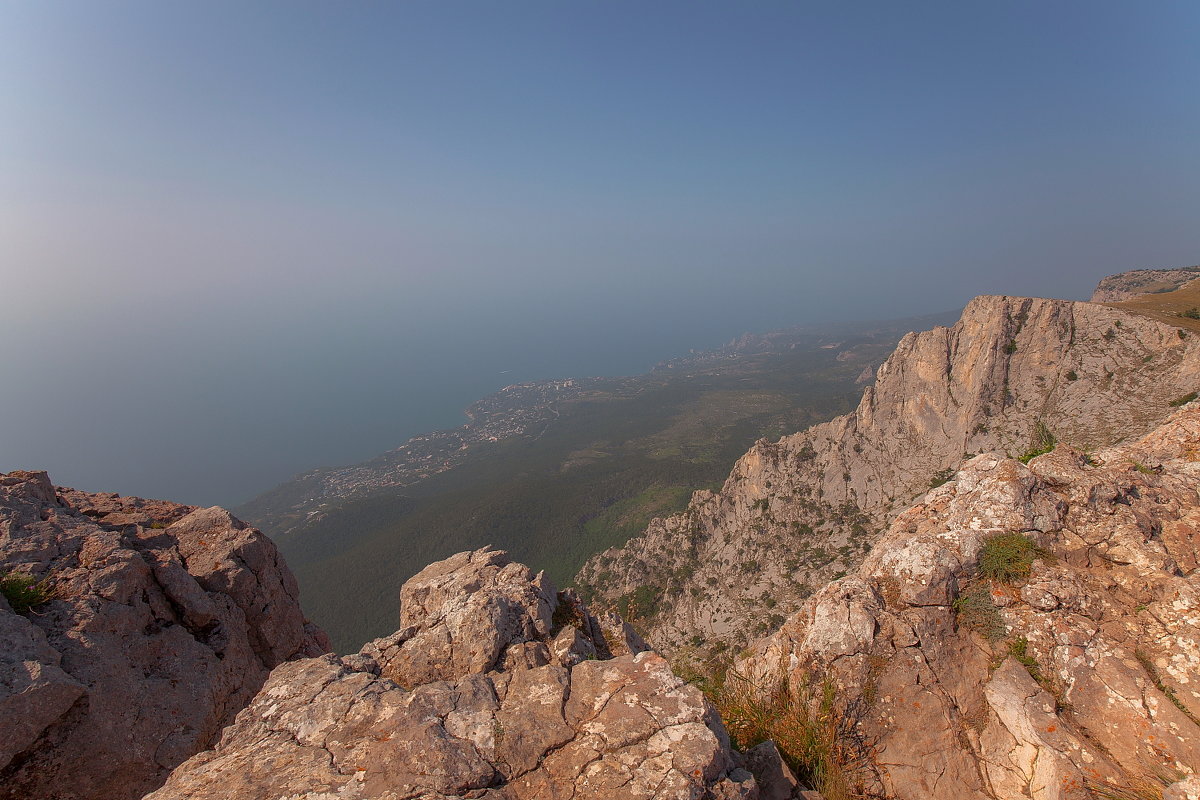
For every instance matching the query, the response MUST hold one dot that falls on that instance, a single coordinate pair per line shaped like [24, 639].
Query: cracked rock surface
[1081, 678]
[497, 687]
[164, 620]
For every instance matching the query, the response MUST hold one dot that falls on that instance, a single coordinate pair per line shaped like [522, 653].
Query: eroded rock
[163, 622]
[1081, 677]
[514, 705]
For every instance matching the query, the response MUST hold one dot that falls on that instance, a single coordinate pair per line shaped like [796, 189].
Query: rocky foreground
[1070, 672]
[158, 623]
[496, 686]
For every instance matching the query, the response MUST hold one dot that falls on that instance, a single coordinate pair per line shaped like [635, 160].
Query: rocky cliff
[1014, 375]
[1138, 282]
[1022, 631]
[140, 629]
[496, 686]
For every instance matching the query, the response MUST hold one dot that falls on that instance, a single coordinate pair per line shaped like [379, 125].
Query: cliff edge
[139, 628]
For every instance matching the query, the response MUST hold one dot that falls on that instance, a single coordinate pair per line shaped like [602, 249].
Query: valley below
[559, 470]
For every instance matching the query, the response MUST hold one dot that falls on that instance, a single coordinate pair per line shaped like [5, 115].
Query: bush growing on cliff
[941, 476]
[639, 604]
[1008, 557]
[1183, 400]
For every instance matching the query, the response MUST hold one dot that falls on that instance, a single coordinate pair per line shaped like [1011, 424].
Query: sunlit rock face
[496, 686]
[1082, 676]
[162, 623]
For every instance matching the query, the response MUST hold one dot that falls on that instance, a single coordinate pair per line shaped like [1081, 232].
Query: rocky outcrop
[1138, 282]
[1021, 632]
[496, 686]
[162, 621]
[1012, 375]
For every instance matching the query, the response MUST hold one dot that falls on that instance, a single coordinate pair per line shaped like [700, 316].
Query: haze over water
[238, 241]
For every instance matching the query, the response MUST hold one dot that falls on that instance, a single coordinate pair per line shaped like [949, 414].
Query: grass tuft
[813, 733]
[974, 609]
[1182, 400]
[1018, 648]
[1042, 441]
[1140, 788]
[1008, 557]
[1144, 659]
[24, 592]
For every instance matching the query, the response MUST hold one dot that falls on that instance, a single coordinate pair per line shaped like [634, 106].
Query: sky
[243, 239]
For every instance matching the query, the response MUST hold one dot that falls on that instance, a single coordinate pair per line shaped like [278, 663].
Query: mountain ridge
[797, 512]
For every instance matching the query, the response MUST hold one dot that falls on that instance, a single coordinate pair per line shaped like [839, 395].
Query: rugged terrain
[1022, 631]
[980, 585]
[1014, 375]
[496, 686]
[151, 625]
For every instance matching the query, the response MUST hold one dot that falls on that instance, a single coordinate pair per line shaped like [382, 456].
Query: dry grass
[1167, 306]
[1141, 788]
[1041, 441]
[974, 609]
[815, 735]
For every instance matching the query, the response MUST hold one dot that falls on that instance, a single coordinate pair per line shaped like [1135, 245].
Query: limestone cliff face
[162, 623]
[496, 687]
[803, 510]
[1078, 679]
[1128, 285]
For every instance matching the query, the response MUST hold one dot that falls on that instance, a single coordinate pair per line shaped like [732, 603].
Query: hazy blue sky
[239, 239]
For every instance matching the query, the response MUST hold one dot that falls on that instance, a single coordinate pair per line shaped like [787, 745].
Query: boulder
[162, 622]
[496, 686]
